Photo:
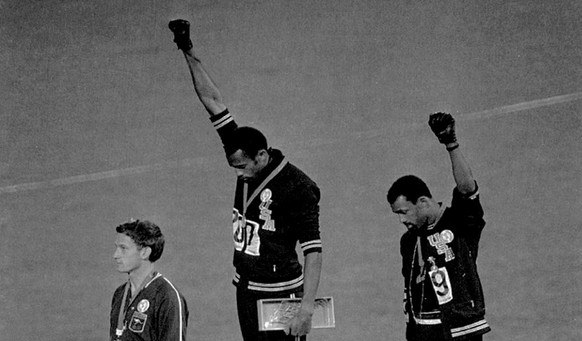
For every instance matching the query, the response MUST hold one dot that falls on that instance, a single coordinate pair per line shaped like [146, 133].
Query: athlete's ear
[145, 252]
[262, 156]
[423, 201]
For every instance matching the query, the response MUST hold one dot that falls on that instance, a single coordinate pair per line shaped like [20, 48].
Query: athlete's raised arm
[443, 126]
[205, 87]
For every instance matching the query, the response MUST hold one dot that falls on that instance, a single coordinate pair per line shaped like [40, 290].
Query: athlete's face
[412, 215]
[128, 255]
[247, 168]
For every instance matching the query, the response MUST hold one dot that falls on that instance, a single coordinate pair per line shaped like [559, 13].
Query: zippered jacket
[270, 217]
[158, 312]
[440, 271]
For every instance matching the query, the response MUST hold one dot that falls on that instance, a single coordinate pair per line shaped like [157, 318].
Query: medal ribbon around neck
[247, 201]
[121, 317]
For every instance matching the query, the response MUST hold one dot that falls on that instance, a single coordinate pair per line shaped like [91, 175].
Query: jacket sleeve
[468, 212]
[306, 217]
[225, 126]
[172, 320]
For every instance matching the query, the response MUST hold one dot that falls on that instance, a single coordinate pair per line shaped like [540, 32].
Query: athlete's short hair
[247, 139]
[409, 186]
[144, 234]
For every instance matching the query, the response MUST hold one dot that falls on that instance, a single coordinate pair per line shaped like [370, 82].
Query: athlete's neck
[437, 213]
[140, 275]
[261, 173]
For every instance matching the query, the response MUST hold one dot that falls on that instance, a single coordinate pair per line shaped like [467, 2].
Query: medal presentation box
[275, 313]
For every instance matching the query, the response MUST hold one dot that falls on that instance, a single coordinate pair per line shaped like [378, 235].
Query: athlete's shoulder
[295, 174]
[408, 238]
[470, 196]
[407, 243]
[164, 287]
[291, 182]
[299, 186]
[120, 289]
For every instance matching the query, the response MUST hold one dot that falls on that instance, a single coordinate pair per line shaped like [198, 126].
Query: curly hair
[247, 139]
[145, 234]
[409, 186]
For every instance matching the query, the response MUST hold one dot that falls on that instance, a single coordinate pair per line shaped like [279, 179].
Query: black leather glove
[443, 126]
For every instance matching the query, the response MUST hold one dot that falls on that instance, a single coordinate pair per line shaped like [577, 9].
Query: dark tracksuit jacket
[280, 210]
[442, 286]
[157, 313]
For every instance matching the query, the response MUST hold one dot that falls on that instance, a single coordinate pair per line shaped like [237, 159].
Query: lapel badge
[143, 306]
[447, 236]
[266, 195]
[138, 322]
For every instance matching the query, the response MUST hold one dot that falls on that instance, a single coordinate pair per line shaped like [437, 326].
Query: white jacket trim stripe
[180, 308]
[223, 121]
[272, 287]
[311, 244]
[430, 322]
[472, 328]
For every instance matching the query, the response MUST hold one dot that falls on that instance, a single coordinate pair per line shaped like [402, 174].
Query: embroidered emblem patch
[143, 306]
[447, 236]
[265, 213]
[266, 195]
[440, 241]
[138, 321]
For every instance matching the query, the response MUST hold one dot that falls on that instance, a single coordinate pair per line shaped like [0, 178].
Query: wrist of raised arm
[452, 146]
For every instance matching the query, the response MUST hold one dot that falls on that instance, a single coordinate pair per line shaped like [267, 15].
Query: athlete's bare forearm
[462, 172]
[205, 88]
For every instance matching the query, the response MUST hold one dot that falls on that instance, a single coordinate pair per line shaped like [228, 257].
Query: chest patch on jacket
[441, 284]
[245, 234]
[265, 212]
[138, 321]
[440, 240]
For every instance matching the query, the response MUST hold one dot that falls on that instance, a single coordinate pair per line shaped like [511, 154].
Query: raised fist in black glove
[443, 126]
[181, 30]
